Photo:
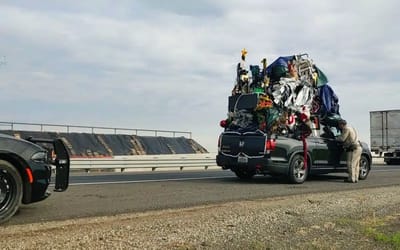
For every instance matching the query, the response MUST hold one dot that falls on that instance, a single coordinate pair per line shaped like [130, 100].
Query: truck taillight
[270, 145]
[223, 123]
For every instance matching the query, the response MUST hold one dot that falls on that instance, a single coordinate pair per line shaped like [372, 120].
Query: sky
[171, 65]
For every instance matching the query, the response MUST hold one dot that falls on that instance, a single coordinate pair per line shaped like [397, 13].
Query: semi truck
[385, 135]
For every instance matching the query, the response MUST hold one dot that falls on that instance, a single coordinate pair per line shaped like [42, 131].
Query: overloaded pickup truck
[25, 171]
[282, 120]
[254, 152]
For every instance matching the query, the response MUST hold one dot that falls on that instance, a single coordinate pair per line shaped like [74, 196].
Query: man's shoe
[348, 181]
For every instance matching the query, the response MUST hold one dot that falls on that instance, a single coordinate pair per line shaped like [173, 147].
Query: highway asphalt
[98, 194]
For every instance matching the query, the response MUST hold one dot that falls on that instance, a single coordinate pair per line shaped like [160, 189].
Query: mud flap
[62, 163]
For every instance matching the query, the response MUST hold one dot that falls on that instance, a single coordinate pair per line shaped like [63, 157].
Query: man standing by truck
[353, 149]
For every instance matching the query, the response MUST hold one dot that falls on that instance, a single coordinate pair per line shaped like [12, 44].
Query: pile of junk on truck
[281, 97]
[276, 115]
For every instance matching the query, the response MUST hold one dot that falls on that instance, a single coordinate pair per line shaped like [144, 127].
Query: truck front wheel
[365, 167]
[297, 171]
[10, 190]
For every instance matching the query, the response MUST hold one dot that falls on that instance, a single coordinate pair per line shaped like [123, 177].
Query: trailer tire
[10, 190]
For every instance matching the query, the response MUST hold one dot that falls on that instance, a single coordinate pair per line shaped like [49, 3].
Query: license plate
[242, 159]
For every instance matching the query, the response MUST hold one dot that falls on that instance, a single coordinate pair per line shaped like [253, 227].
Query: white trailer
[385, 135]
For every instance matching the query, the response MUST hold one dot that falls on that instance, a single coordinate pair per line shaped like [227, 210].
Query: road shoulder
[357, 219]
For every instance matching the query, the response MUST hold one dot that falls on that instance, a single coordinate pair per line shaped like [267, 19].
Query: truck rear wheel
[10, 190]
[297, 170]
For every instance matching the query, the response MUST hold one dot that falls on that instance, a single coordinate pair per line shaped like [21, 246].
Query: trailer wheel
[297, 171]
[10, 190]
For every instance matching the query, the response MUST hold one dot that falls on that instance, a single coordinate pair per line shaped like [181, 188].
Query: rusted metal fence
[65, 128]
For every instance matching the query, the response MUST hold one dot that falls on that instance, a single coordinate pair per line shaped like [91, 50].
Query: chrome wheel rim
[299, 170]
[363, 167]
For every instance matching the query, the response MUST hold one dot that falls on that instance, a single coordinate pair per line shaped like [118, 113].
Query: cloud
[201, 8]
[171, 64]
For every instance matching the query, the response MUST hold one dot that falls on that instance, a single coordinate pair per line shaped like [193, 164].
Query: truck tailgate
[250, 144]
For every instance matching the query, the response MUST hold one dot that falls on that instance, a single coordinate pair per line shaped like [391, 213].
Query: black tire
[365, 167]
[244, 174]
[10, 190]
[297, 172]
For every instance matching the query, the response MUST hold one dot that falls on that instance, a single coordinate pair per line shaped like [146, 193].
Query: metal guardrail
[155, 162]
[44, 126]
[146, 162]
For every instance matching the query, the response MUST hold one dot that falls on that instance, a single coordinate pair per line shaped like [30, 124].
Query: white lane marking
[144, 181]
[180, 179]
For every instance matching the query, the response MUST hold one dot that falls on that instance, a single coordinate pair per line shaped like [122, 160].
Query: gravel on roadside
[338, 220]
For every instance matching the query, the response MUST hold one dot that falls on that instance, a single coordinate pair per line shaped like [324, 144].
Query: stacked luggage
[284, 97]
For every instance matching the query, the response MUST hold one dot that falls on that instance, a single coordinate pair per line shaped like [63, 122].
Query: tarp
[276, 70]
[322, 79]
[100, 145]
[280, 61]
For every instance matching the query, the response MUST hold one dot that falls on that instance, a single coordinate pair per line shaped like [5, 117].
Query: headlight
[40, 157]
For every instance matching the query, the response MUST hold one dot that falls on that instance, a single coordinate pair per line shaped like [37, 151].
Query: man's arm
[344, 135]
